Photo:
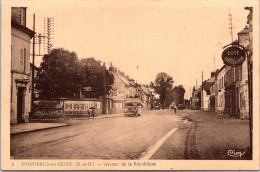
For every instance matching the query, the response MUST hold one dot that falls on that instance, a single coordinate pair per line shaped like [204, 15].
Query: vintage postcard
[130, 85]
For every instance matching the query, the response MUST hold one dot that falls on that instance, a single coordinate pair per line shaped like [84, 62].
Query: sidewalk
[40, 124]
[207, 136]
[96, 117]
[27, 127]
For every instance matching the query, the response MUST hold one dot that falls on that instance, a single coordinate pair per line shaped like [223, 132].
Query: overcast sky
[178, 37]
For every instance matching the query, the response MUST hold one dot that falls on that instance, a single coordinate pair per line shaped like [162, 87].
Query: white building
[20, 66]
[221, 77]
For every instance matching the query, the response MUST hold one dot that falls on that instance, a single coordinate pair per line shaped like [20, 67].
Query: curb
[38, 129]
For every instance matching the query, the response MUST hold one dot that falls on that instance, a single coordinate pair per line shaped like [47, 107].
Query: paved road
[107, 138]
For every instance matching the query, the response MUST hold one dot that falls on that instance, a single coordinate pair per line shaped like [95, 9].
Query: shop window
[242, 100]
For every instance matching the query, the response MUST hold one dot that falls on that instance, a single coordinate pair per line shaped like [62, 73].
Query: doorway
[20, 105]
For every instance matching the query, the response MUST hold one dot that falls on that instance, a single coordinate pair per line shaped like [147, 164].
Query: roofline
[121, 78]
[23, 28]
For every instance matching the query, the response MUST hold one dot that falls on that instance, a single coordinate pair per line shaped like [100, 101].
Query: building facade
[213, 91]
[221, 77]
[20, 66]
[244, 39]
[206, 96]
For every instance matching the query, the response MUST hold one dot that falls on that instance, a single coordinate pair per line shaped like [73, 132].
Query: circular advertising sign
[234, 55]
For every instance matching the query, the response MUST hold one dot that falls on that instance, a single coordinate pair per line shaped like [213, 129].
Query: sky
[179, 37]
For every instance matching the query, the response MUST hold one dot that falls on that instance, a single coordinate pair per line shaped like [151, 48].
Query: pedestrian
[175, 108]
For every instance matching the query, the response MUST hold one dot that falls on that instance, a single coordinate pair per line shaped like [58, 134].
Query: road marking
[152, 149]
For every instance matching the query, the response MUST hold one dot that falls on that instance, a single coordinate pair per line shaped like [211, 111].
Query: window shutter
[25, 60]
[21, 60]
[28, 62]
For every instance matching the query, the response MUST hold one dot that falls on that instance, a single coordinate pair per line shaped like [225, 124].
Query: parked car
[180, 107]
[133, 108]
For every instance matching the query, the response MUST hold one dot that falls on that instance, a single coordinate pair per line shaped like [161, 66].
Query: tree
[95, 76]
[163, 82]
[59, 75]
[63, 75]
[178, 94]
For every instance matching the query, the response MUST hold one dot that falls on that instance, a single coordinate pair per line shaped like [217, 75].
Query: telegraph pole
[214, 63]
[105, 110]
[32, 96]
[202, 103]
[230, 25]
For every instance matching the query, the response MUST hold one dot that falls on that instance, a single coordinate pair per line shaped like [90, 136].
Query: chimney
[18, 15]
[212, 74]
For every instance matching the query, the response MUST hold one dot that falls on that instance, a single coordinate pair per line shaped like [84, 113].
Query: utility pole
[105, 110]
[230, 25]
[214, 63]
[48, 33]
[202, 103]
[32, 96]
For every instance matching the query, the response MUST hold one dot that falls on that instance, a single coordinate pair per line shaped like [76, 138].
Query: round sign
[234, 55]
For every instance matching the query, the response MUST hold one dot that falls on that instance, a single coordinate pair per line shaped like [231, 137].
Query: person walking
[175, 108]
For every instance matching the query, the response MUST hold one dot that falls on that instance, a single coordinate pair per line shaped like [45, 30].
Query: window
[21, 60]
[24, 60]
[28, 62]
[222, 82]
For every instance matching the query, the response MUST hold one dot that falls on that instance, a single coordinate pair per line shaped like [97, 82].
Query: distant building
[123, 89]
[213, 91]
[126, 89]
[146, 97]
[206, 96]
[221, 77]
[20, 66]
[196, 99]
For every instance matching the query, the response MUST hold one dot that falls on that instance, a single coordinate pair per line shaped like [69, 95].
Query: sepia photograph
[130, 85]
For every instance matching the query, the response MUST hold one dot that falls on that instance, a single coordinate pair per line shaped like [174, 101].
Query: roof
[122, 78]
[145, 89]
[245, 30]
[218, 71]
[23, 28]
[206, 85]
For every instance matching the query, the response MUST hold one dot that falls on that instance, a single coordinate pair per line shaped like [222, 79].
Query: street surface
[107, 138]
[208, 136]
[199, 135]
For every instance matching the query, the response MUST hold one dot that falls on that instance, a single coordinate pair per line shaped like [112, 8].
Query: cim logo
[234, 55]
